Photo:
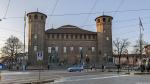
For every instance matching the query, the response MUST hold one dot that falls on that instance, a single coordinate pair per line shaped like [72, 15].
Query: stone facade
[69, 44]
[147, 50]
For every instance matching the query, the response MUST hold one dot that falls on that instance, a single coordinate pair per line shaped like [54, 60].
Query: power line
[70, 14]
[122, 1]
[6, 9]
[53, 9]
[90, 11]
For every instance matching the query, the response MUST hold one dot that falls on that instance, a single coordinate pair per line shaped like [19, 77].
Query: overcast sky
[76, 12]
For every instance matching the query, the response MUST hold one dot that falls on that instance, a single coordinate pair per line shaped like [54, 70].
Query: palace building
[69, 44]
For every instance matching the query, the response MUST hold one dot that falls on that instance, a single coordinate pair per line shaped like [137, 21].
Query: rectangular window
[35, 36]
[35, 48]
[67, 36]
[65, 49]
[49, 49]
[93, 49]
[52, 35]
[57, 35]
[56, 49]
[80, 48]
[71, 48]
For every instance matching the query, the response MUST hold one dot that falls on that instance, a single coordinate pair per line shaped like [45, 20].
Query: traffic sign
[39, 55]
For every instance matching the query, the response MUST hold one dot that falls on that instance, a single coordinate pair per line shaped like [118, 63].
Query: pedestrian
[91, 67]
[103, 68]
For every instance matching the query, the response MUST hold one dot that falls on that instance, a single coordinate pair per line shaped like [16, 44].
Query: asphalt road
[105, 79]
[64, 77]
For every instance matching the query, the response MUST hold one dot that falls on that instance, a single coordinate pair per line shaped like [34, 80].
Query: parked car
[76, 68]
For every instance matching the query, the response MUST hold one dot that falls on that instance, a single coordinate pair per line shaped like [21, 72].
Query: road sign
[39, 55]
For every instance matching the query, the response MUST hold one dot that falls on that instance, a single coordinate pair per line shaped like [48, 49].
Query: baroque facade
[69, 44]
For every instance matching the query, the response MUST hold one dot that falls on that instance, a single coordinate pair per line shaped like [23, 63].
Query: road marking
[14, 73]
[66, 79]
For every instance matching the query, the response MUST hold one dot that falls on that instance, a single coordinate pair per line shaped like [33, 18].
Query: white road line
[65, 80]
[14, 73]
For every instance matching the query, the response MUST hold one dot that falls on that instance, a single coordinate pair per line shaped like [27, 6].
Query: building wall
[104, 38]
[73, 40]
[147, 50]
[39, 41]
[36, 35]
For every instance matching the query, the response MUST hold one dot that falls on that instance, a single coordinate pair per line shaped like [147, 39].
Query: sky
[81, 13]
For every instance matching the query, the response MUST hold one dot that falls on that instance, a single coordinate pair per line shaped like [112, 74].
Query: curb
[39, 82]
[142, 73]
[138, 73]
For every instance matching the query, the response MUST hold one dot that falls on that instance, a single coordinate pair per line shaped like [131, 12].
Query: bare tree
[136, 47]
[120, 46]
[12, 47]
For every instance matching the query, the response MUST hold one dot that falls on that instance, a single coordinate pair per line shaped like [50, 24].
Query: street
[64, 77]
[106, 79]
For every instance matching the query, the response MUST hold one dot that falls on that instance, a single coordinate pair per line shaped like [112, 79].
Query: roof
[69, 29]
[36, 13]
[147, 46]
[104, 16]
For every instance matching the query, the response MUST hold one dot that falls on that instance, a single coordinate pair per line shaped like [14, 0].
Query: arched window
[109, 20]
[29, 16]
[98, 20]
[41, 17]
[76, 36]
[104, 19]
[35, 17]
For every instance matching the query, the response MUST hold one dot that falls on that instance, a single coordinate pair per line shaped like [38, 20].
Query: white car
[76, 68]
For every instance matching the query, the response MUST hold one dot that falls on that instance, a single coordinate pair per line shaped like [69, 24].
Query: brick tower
[104, 38]
[36, 35]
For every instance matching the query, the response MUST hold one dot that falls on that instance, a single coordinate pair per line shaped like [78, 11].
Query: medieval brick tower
[104, 38]
[36, 35]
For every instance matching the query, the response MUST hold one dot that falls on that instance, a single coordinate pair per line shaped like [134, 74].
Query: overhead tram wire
[86, 19]
[53, 9]
[72, 14]
[122, 1]
[6, 10]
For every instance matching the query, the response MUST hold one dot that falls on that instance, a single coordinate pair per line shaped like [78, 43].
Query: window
[98, 20]
[85, 36]
[35, 36]
[107, 38]
[52, 35]
[93, 49]
[71, 48]
[57, 35]
[80, 36]
[67, 36]
[80, 48]
[71, 36]
[41, 17]
[89, 36]
[35, 48]
[56, 49]
[29, 16]
[49, 49]
[62, 36]
[93, 36]
[104, 19]
[109, 20]
[76, 36]
[65, 49]
[35, 17]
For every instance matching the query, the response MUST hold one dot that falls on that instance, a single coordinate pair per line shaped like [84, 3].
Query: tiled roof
[69, 29]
